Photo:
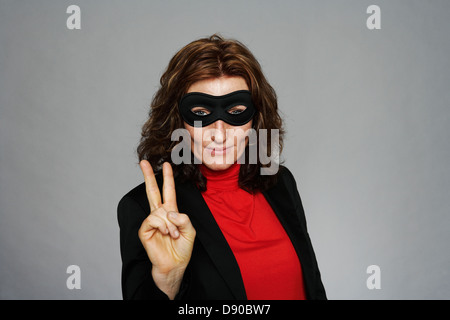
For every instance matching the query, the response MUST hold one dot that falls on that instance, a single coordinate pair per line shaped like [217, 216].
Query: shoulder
[286, 186]
[135, 202]
[133, 205]
[136, 194]
[285, 178]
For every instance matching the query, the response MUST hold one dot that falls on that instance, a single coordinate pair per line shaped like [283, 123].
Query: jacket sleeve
[319, 290]
[137, 281]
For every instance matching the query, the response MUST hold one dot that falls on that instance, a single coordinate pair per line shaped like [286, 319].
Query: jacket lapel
[286, 212]
[190, 200]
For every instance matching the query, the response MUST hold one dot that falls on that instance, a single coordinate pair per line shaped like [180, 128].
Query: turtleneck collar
[221, 179]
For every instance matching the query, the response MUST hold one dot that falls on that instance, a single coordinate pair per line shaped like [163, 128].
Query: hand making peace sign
[167, 235]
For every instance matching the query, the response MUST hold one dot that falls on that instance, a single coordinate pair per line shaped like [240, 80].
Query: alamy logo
[374, 280]
[74, 280]
[206, 145]
[74, 20]
[374, 20]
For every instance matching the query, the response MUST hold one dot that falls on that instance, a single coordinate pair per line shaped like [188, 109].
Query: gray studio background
[366, 112]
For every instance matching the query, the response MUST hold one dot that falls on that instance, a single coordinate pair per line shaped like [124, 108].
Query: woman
[215, 226]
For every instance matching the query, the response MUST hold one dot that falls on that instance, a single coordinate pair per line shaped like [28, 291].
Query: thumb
[182, 222]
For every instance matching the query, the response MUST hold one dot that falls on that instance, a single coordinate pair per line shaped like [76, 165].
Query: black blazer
[213, 272]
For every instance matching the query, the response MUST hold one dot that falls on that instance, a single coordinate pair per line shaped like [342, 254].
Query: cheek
[247, 126]
[243, 129]
[195, 133]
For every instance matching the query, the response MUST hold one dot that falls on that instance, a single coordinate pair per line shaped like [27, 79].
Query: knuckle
[158, 212]
[155, 221]
[184, 219]
[150, 219]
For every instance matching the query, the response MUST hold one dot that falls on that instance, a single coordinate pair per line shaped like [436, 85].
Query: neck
[227, 179]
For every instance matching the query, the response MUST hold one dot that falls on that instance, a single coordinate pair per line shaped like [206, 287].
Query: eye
[199, 111]
[237, 109]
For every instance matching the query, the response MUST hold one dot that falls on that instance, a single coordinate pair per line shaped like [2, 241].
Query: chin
[217, 166]
[219, 162]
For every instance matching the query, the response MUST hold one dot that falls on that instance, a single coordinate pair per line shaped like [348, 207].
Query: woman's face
[219, 144]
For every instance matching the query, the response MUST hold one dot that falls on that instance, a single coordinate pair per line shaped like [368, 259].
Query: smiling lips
[217, 150]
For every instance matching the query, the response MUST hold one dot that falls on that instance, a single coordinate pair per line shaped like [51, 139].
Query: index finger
[151, 186]
[169, 194]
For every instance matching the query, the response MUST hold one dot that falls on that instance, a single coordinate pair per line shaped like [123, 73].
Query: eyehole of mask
[199, 111]
[236, 109]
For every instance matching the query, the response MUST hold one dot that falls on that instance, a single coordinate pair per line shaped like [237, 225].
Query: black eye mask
[218, 107]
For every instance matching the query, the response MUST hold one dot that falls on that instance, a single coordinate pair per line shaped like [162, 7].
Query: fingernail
[176, 233]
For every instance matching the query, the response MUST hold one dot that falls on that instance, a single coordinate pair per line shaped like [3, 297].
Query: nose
[219, 131]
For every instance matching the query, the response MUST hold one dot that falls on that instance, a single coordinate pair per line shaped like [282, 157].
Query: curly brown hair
[207, 58]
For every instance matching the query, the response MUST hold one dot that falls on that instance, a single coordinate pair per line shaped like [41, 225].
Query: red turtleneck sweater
[269, 265]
